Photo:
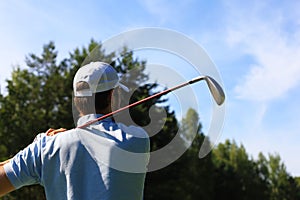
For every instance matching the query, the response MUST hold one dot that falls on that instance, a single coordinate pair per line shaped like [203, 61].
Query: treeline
[39, 96]
[228, 172]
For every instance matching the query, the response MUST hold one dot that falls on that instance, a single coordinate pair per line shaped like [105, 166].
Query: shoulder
[48, 144]
[134, 131]
[137, 139]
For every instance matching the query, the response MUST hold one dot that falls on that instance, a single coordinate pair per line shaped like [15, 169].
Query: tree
[40, 96]
[281, 184]
[37, 99]
[197, 176]
[237, 176]
[188, 177]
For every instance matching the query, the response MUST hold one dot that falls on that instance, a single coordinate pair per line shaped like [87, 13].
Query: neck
[102, 111]
[105, 110]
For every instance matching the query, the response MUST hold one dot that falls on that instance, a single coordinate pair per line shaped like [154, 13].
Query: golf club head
[215, 89]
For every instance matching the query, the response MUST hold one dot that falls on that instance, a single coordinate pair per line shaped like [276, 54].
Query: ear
[111, 94]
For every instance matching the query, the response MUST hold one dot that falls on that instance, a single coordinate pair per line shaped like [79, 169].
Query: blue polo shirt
[106, 160]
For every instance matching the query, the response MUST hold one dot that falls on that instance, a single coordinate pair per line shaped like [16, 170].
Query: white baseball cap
[99, 76]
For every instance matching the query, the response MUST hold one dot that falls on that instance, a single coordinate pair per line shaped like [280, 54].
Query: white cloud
[266, 38]
[270, 36]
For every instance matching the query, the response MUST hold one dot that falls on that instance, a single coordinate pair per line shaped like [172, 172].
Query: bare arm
[5, 185]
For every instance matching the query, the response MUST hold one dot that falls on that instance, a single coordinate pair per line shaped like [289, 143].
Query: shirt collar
[86, 118]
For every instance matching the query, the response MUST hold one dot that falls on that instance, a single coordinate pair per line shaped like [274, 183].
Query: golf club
[215, 89]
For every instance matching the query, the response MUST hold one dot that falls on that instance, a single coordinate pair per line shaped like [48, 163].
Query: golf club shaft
[143, 100]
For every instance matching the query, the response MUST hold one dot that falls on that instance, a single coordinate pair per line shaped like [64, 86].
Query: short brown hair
[94, 103]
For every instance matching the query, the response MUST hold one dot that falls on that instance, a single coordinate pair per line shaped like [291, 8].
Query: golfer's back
[78, 164]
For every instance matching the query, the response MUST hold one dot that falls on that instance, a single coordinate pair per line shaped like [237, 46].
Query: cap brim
[126, 89]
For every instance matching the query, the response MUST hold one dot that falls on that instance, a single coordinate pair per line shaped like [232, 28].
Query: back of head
[97, 103]
[93, 85]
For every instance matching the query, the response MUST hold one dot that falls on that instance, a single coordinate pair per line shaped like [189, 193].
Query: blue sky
[254, 44]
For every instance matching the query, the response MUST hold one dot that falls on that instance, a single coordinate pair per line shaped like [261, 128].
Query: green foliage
[237, 176]
[39, 97]
[281, 184]
[241, 177]
[188, 177]
[190, 125]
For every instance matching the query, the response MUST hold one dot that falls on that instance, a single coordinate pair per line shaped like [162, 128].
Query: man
[105, 160]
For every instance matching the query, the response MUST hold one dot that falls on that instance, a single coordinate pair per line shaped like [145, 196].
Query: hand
[52, 132]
